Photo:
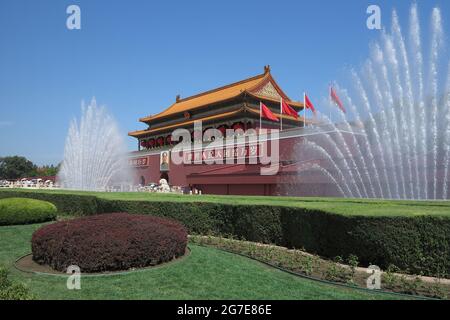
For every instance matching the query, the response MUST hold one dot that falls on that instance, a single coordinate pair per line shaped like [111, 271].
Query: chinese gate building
[235, 106]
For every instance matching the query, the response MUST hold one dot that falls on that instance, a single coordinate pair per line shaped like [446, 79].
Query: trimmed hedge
[71, 204]
[14, 211]
[109, 242]
[415, 244]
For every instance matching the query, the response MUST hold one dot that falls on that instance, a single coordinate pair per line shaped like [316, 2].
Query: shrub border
[226, 245]
[324, 281]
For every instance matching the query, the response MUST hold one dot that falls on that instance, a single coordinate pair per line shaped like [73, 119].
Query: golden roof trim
[221, 115]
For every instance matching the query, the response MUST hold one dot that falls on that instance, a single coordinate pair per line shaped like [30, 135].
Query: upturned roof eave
[167, 112]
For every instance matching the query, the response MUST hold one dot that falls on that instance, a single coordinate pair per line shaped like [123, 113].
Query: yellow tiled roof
[221, 94]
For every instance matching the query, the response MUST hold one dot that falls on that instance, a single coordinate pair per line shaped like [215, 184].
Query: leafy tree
[47, 170]
[16, 167]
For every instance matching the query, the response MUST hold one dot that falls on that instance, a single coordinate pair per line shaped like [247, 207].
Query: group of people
[164, 187]
[27, 183]
[161, 187]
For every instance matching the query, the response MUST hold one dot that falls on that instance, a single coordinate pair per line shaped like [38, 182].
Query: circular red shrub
[109, 242]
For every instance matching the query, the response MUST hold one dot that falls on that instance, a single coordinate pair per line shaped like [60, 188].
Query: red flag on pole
[308, 104]
[266, 113]
[287, 109]
[336, 100]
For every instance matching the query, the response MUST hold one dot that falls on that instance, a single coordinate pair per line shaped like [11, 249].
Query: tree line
[17, 167]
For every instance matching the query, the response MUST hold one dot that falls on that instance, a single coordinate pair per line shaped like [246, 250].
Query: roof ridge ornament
[178, 98]
[267, 69]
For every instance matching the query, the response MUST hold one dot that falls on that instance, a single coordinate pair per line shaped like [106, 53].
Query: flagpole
[330, 105]
[304, 109]
[260, 116]
[281, 114]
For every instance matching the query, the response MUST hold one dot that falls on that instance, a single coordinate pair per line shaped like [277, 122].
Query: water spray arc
[94, 153]
[399, 120]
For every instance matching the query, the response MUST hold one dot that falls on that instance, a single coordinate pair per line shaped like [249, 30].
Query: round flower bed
[25, 211]
[109, 242]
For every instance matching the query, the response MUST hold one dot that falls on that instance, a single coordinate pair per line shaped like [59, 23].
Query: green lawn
[205, 274]
[332, 205]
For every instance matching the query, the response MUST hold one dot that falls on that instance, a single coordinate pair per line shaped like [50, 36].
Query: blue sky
[136, 56]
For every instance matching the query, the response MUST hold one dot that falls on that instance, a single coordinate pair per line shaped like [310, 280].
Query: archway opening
[164, 175]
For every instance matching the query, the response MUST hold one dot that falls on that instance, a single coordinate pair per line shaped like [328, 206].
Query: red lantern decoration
[238, 125]
[222, 129]
[169, 139]
[151, 143]
[144, 143]
[160, 141]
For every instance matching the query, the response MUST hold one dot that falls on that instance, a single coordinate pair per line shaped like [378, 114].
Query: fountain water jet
[94, 153]
[399, 146]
